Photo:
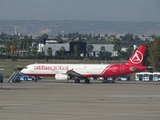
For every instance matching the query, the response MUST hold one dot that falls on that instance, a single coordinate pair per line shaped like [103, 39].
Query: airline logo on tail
[137, 58]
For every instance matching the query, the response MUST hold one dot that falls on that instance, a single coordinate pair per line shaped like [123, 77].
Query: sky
[101, 10]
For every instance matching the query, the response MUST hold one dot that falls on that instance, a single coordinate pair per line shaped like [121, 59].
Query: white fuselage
[52, 69]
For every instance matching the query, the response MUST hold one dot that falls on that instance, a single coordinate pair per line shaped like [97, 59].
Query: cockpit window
[26, 68]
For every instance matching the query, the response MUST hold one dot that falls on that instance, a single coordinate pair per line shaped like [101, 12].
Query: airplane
[79, 72]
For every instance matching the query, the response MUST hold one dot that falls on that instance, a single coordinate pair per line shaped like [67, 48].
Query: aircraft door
[122, 69]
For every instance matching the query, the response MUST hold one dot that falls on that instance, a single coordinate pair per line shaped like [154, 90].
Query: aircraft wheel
[17, 80]
[35, 80]
[104, 81]
[87, 81]
[107, 81]
[113, 81]
[77, 81]
[25, 79]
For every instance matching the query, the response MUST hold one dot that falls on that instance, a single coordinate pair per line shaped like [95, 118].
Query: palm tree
[62, 50]
[22, 46]
[28, 42]
[7, 46]
[34, 50]
[76, 50]
[49, 51]
[117, 47]
[102, 54]
[90, 49]
[103, 49]
[25, 44]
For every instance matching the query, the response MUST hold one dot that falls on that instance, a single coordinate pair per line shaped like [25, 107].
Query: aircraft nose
[22, 71]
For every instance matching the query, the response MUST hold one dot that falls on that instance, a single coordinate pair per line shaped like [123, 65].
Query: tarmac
[59, 100]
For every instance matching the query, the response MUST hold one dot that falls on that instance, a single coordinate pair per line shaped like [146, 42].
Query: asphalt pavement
[62, 100]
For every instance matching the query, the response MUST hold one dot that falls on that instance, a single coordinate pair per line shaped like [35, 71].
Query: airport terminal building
[69, 47]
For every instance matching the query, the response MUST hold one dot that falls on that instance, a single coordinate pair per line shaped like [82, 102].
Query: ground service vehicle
[125, 78]
[147, 76]
[26, 78]
[1, 78]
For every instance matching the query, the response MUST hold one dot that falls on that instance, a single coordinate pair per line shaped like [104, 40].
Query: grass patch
[9, 66]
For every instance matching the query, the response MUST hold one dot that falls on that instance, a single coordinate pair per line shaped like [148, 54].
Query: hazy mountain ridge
[37, 27]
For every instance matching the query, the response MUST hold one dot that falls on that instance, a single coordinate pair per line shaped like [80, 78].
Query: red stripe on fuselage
[43, 75]
[103, 72]
[111, 70]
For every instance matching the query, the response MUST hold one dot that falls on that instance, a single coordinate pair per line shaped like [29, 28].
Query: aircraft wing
[74, 74]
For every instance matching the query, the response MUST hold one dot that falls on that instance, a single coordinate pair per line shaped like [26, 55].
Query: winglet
[137, 56]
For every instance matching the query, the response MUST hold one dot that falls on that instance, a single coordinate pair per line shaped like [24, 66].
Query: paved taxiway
[46, 100]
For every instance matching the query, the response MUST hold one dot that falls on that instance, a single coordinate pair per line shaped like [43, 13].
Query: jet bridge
[14, 78]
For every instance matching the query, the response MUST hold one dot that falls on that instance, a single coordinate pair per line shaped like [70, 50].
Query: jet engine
[61, 77]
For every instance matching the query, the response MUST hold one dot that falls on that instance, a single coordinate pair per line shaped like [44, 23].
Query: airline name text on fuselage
[52, 68]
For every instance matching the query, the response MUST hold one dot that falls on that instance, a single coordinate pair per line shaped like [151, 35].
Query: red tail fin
[137, 56]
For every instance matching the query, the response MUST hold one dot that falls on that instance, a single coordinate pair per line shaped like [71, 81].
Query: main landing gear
[78, 81]
[105, 80]
[87, 81]
[108, 81]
